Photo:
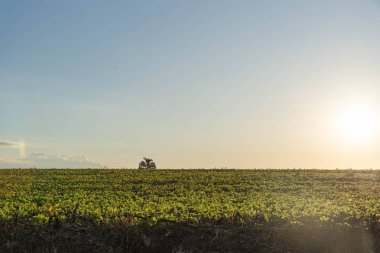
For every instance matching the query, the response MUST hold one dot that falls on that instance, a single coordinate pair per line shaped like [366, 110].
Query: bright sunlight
[357, 123]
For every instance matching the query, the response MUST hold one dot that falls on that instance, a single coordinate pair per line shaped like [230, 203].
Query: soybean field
[104, 210]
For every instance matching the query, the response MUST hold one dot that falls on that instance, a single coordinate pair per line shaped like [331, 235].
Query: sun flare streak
[22, 149]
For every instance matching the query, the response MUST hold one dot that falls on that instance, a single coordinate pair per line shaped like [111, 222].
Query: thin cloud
[44, 160]
[9, 144]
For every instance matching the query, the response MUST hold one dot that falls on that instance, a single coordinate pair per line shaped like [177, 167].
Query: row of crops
[296, 196]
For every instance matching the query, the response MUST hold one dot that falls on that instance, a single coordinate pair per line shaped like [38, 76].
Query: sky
[191, 84]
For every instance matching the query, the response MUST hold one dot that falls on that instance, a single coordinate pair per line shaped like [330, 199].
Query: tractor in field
[147, 164]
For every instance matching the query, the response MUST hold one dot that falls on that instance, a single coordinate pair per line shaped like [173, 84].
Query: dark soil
[166, 236]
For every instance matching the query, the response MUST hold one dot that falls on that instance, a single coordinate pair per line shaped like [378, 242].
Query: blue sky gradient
[190, 83]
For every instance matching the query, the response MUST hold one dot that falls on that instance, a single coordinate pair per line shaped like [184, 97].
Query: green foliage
[296, 196]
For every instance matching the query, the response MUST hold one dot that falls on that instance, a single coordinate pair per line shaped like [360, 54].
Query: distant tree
[152, 165]
[142, 165]
[147, 163]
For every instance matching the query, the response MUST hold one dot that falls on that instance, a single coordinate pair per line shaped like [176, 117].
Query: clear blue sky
[189, 83]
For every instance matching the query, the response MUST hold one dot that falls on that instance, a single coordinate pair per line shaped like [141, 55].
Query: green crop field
[189, 211]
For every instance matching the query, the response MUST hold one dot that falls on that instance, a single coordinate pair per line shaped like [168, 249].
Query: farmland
[189, 211]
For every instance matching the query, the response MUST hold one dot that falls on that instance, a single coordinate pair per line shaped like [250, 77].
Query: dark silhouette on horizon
[147, 163]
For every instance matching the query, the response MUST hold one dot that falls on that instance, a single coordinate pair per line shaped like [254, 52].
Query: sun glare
[357, 123]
